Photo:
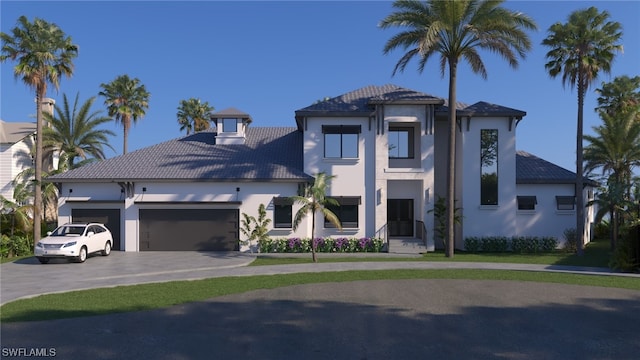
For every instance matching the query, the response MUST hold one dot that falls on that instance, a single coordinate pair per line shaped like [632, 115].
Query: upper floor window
[527, 202]
[282, 212]
[347, 212]
[341, 141]
[565, 202]
[489, 167]
[229, 125]
[401, 143]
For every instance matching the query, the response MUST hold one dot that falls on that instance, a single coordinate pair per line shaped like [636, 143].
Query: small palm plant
[255, 228]
[314, 200]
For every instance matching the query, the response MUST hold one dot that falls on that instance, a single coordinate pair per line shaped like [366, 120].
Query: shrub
[325, 245]
[494, 244]
[15, 245]
[472, 244]
[549, 244]
[570, 240]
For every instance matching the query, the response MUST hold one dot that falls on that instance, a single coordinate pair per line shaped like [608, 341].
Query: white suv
[74, 242]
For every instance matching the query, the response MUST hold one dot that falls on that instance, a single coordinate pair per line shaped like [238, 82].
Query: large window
[282, 212]
[347, 212]
[341, 141]
[489, 167]
[401, 143]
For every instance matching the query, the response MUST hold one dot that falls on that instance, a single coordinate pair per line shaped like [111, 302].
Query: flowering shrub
[325, 245]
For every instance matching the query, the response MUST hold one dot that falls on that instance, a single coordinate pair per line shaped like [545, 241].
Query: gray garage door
[189, 229]
[109, 217]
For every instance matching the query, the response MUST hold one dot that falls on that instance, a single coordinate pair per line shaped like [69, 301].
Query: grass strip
[159, 295]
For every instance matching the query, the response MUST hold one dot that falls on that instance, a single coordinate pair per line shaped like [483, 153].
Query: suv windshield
[68, 230]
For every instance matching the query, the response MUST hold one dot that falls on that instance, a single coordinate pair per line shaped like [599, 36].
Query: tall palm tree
[127, 101]
[194, 114]
[620, 96]
[615, 149]
[456, 30]
[44, 54]
[74, 132]
[580, 49]
[316, 200]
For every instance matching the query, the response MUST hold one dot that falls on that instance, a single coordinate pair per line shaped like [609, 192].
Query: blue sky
[271, 58]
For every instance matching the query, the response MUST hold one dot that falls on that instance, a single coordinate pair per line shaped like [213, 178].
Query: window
[566, 202]
[489, 167]
[527, 202]
[229, 125]
[341, 141]
[401, 143]
[282, 212]
[347, 212]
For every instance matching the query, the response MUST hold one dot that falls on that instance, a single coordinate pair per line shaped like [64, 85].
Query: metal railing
[421, 230]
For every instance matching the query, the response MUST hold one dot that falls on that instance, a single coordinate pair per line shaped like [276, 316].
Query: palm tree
[615, 149]
[316, 200]
[194, 114]
[44, 54]
[456, 30]
[18, 211]
[579, 50]
[74, 133]
[127, 100]
[620, 96]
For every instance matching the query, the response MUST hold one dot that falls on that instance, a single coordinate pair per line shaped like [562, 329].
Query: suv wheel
[107, 249]
[82, 255]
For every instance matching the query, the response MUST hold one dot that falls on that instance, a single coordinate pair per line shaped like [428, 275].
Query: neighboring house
[16, 142]
[386, 147]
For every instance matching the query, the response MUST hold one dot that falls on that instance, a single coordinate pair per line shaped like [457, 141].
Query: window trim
[226, 120]
[410, 137]
[526, 201]
[345, 201]
[341, 130]
[282, 203]
[565, 200]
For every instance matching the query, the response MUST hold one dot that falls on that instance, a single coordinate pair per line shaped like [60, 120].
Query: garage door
[189, 229]
[109, 217]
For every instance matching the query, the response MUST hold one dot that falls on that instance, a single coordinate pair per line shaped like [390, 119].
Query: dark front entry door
[400, 217]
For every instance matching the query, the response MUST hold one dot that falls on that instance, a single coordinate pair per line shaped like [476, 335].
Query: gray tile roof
[483, 108]
[359, 101]
[270, 153]
[12, 132]
[531, 169]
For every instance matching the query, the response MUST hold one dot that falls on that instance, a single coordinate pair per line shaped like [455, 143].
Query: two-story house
[386, 147]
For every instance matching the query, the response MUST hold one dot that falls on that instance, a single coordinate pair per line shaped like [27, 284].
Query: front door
[400, 217]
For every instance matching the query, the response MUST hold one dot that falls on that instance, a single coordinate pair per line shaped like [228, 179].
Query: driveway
[399, 319]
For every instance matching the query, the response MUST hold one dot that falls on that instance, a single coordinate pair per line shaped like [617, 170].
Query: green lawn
[158, 295]
[596, 254]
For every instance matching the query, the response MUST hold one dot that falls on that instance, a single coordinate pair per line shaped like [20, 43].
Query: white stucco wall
[488, 220]
[350, 174]
[193, 196]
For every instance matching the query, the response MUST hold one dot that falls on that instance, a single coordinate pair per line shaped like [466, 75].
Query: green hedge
[516, 244]
[326, 245]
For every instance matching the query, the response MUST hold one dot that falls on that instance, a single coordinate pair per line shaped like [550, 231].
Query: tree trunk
[579, 168]
[451, 160]
[126, 124]
[37, 199]
[313, 233]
